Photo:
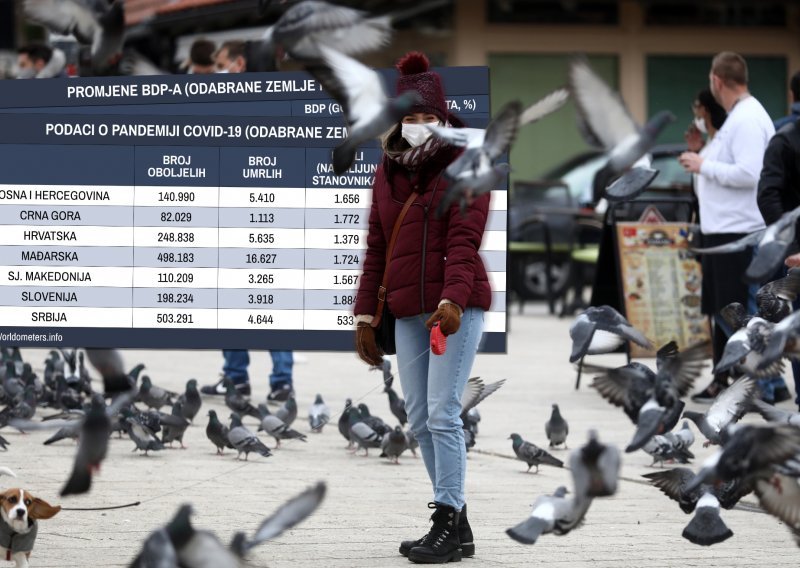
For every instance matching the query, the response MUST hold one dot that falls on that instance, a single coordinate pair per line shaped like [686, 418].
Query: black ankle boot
[441, 543]
[465, 534]
[407, 545]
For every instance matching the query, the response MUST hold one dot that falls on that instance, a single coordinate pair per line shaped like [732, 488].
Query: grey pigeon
[190, 400]
[396, 404]
[361, 434]
[344, 422]
[157, 552]
[288, 411]
[556, 428]
[100, 25]
[360, 92]
[606, 123]
[630, 184]
[288, 515]
[153, 396]
[774, 243]
[299, 32]
[198, 549]
[109, 364]
[475, 171]
[276, 427]
[374, 422]
[782, 342]
[217, 432]
[68, 432]
[744, 348]
[144, 438]
[319, 414]
[244, 440]
[595, 468]
[92, 448]
[413, 443]
[602, 329]
[554, 513]
[238, 403]
[728, 408]
[774, 299]
[706, 527]
[532, 454]
[394, 444]
[772, 413]
[475, 392]
[174, 425]
[779, 495]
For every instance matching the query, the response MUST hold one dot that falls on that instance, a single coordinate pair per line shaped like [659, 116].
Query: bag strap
[376, 320]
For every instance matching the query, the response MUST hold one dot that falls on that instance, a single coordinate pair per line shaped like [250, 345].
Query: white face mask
[26, 73]
[416, 134]
[700, 123]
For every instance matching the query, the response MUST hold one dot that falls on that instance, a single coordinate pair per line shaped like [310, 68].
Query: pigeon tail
[547, 459]
[343, 157]
[528, 530]
[707, 527]
[78, 483]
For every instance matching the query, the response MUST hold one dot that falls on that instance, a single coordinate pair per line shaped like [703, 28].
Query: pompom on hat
[415, 75]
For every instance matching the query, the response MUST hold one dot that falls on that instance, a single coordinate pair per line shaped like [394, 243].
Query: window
[587, 12]
[741, 13]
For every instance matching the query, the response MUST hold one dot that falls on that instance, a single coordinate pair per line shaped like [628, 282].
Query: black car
[568, 187]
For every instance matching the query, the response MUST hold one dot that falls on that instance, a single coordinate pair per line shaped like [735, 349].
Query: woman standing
[434, 275]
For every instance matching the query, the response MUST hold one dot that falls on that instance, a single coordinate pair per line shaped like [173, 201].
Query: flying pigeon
[554, 513]
[782, 342]
[595, 468]
[602, 330]
[360, 92]
[779, 495]
[728, 408]
[744, 349]
[98, 24]
[556, 428]
[774, 414]
[532, 454]
[605, 122]
[774, 243]
[664, 448]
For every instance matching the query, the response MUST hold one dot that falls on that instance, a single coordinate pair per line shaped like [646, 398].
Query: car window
[670, 173]
[579, 180]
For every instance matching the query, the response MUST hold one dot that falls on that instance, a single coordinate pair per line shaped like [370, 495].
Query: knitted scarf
[397, 149]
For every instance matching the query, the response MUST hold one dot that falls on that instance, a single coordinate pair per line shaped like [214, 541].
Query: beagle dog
[19, 513]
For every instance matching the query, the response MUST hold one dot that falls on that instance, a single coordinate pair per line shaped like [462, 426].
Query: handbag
[383, 320]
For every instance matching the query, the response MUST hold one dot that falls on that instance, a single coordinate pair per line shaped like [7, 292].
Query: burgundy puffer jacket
[433, 258]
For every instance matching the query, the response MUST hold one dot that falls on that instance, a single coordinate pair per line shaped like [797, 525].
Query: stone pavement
[371, 504]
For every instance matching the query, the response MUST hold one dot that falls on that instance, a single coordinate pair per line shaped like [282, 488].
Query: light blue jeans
[432, 386]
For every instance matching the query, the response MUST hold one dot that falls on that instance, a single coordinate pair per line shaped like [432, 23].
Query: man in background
[201, 57]
[794, 110]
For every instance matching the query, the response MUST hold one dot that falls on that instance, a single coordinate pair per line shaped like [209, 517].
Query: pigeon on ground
[361, 434]
[554, 513]
[663, 449]
[556, 428]
[602, 329]
[774, 243]
[413, 443]
[190, 400]
[153, 396]
[244, 440]
[174, 425]
[288, 411]
[238, 403]
[606, 123]
[318, 415]
[374, 422]
[344, 422]
[396, 404]
[595, 468]
[750, 451]
[217, 432]
[288, 515]
[706, 527]
[100, 25]
[728, 408]
[144, 438]
[532, 454]
[394, 444]
[360, 92]
[779, 495]
[276, 428]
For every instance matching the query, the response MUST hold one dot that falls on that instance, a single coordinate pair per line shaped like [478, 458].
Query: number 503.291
[174, 318]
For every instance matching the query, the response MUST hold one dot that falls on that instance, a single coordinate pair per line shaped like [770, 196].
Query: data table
[216, 223]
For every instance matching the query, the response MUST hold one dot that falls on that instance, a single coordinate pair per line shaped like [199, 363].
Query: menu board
[661, 282]
[195, 211]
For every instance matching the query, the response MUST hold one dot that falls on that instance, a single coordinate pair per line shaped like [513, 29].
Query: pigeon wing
[672, 483]
[502, 131]
[786, 288]
[731, 404]
[735, 246]
[602, 110]
[66, 17]
[461, 137]
[780, 496]
[289, 514]
[476, 391]
[544, 106]
[613, 386]
[687, 366]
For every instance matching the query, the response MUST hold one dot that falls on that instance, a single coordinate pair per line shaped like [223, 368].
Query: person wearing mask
[709, 117]
[726, 185]
[201, 57]
[231, 59]
[434, 276]
[794, 110]
[38, 61]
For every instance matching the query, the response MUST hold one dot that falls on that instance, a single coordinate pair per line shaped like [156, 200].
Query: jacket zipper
[425, 209]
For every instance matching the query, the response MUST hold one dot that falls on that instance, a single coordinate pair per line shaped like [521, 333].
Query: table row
[202, 237]
[127, 277]
[217, 217]
[200, 319]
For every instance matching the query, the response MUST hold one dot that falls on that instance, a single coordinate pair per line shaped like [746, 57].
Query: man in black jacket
[779, 192]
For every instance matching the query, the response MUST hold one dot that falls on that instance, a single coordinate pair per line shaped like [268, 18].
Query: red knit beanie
[415, 76]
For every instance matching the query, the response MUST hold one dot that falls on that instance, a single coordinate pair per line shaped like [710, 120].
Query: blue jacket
[783, 121]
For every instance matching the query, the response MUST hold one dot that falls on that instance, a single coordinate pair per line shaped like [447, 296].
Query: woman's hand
[694, 138]
[366, 346]
[449, 317]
